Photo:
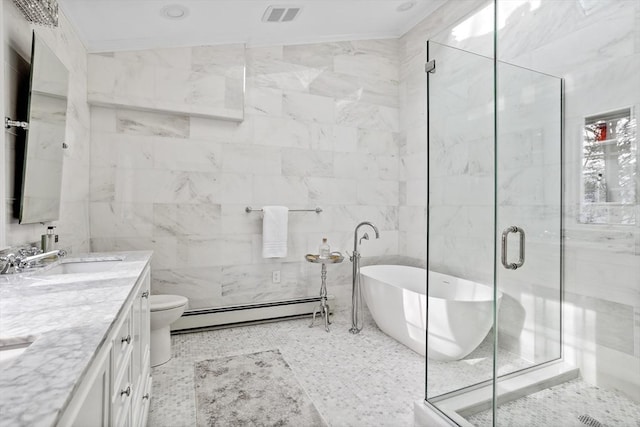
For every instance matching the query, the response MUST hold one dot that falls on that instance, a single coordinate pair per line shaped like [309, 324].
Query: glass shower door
[461, 211]
[494, 219]
[529, 226]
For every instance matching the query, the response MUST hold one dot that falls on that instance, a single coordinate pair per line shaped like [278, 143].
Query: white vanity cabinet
[117, 388]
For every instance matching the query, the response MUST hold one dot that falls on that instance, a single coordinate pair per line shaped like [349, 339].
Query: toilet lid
[166, 302]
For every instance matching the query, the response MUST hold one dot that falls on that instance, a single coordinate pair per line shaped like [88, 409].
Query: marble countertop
[67, 317]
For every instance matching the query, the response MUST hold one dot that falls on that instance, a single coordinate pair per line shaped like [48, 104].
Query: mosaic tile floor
[353, 380]
[367, 379]
[563, 405]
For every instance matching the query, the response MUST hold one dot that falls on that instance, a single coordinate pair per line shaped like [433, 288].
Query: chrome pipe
[356, 291]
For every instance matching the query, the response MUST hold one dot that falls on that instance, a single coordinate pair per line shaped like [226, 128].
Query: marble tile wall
[73, 226]
[198, 81]
[321, 128]
[595, 47]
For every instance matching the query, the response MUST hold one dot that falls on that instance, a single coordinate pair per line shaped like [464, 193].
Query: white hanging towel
[274, 231]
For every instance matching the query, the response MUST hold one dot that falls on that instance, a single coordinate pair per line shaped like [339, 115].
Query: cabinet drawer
[141, 407]
[121, 397]
[122, 342]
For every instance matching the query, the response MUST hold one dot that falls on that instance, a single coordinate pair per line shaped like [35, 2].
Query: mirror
[42, 172]
[609, 168]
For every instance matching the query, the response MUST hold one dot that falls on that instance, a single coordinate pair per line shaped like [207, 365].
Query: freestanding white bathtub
[461, 311]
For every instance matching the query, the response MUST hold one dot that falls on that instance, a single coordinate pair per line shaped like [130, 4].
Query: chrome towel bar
[316, 210]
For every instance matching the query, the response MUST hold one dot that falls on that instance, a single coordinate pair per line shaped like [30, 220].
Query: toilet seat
[166, 302]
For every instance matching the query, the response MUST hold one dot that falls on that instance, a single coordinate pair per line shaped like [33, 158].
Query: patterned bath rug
[258, 389]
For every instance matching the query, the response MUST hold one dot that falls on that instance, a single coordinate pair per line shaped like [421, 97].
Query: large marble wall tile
[146, 123]
[221, 131]
[202, 219]
[161, 58]
[384, 217]
[308, 108]
[123, 151]
[222, 249]
[356, 166]
[340, 139]
[220, 60]
[315, 55]
[236, 220]
[377, 142]
[296, 162]
[377, 192]
[255, 160]
[191, 156]
[102, 120]
[606, 323]
[280, 74]
[76, 219]
[332, 191]
[367, 116]
[356, 88]
[361, 63]
[281, 132]
[168, 251]
[263, 101]
[280, 190]
[121, 219]
[201, 285]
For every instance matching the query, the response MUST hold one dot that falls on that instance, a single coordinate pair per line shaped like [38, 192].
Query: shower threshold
[464, 403]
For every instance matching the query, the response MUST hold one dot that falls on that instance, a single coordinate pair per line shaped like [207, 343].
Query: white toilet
[165, 309]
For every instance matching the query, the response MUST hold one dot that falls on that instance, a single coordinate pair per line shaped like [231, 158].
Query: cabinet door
[90, 404]
[141, 366]
[145, 321]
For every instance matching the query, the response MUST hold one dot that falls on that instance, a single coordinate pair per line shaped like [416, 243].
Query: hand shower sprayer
[356, 294]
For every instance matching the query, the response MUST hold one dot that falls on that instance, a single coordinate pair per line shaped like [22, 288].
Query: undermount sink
[74, 267]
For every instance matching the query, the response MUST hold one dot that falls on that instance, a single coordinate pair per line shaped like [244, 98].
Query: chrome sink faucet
[26, 258]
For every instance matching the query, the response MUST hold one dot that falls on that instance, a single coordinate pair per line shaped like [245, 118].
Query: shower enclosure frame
[552, 368]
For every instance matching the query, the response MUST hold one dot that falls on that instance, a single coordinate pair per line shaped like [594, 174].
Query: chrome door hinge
[430, 66]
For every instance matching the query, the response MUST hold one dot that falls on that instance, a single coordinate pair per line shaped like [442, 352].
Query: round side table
[323, 308]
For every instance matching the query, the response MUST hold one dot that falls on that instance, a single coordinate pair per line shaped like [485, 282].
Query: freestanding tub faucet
[356, 294]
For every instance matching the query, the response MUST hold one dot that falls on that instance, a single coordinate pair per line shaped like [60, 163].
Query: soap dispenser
[48, 241]
[324, 249]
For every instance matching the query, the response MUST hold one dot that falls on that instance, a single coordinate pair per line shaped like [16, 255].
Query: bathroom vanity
[77, 333]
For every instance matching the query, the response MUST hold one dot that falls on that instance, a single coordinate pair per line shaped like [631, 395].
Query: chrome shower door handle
[505, 235]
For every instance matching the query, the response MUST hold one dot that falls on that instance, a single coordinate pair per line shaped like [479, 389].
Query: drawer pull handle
[145, 294]
[127, 339]
[127, 391]
[146, 396]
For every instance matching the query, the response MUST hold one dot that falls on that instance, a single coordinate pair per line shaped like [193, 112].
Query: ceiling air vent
[280, 14]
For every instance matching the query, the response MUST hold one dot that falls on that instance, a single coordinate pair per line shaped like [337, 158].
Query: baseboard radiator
[211, 318]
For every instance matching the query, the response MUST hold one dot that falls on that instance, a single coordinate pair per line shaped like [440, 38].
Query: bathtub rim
[459, 282]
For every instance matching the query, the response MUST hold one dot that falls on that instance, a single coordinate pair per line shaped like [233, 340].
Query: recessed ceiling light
[403, 7]
[174, 11]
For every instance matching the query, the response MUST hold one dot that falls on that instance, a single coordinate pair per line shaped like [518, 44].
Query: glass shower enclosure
[495, 221]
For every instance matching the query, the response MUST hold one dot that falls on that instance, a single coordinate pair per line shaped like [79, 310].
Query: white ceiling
[111, 25]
